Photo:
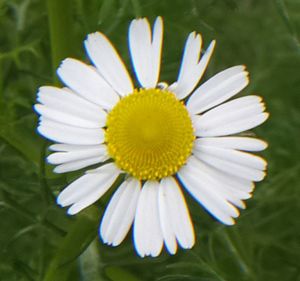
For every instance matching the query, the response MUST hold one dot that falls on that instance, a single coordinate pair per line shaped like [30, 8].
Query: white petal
[232, 168]
[218, 89]
[236, 105]
[63, 157]
[234, 127]
[85, 81]
[212, 178]
[157, 40]
[203, 192]
[231, 111]
[71, 147]
[140, 50]
[191, 54]
[174, 216]
[147, 231]
[79, 164]
[230, 117]
[68, 134]
[240, 143]
[145, 51]
[119, 214]
[166, 224]
[238, 203]
[241, 186]
[69, 151]
[67, 102]
[108, 63]
[191, 70]
[68, 119]
[230, 155]
[230, 189]
[88, 188]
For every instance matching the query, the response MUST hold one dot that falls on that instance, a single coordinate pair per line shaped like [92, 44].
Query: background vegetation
[38, 241]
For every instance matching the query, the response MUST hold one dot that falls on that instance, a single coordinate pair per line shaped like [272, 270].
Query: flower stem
[62, 44]
[61, 31]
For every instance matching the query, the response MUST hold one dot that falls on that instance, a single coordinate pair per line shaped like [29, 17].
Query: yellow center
[149, 134]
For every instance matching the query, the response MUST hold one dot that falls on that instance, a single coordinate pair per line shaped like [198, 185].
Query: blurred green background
[38, 241]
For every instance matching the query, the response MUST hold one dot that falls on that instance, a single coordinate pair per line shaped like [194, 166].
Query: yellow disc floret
[149, 134]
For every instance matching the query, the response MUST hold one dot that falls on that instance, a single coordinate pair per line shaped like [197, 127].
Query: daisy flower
[161, 138]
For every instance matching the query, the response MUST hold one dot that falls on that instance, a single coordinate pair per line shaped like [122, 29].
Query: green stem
[283, 12]
[62, 44]
[240, 260]
[47, 194]
[1, 84]
[61, 27]
[81, 233]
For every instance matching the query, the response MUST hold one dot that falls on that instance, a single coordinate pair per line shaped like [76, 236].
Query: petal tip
[57, 169]
[212, 44]
[60, 201]
[158, 20]
[36, 108]
[72, 211]
[230, 222]
[265, 144]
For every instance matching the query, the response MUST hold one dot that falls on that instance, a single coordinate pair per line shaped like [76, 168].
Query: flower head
[162, 137]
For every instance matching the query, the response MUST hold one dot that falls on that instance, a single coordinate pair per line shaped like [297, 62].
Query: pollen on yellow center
[149, 134]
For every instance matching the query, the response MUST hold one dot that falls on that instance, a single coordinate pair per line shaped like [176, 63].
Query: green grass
[39, 242]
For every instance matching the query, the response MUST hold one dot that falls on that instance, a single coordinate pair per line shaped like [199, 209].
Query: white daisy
[163, 138]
